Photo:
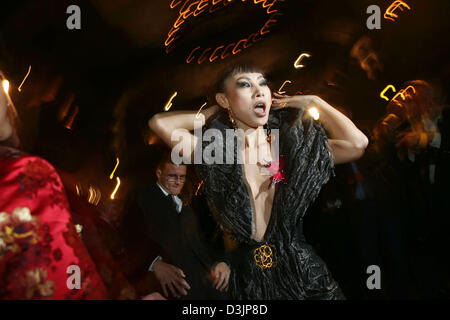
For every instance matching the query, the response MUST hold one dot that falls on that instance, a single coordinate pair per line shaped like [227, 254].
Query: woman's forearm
[339, 126]
[165, 123]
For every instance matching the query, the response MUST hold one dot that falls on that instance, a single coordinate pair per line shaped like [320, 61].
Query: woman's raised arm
[175, 127]
[347, 142]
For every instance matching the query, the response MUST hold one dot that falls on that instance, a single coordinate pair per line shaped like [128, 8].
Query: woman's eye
[243, 84]
[263, 83]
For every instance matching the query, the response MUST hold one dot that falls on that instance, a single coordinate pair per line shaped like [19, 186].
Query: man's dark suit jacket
[154, 228]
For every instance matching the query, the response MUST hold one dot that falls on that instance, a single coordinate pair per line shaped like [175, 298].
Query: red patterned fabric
[38, 240]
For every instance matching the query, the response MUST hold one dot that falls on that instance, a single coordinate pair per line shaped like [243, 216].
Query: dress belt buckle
[264, 256]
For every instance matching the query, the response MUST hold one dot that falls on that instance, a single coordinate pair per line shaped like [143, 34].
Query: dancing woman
[262, 215]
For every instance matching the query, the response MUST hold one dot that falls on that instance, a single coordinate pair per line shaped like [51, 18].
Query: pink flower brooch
[276, 170]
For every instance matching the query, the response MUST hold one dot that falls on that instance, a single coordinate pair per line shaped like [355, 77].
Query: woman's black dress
[296, 271]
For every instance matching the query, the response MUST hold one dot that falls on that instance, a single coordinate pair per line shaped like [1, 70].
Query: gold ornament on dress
[264, 256]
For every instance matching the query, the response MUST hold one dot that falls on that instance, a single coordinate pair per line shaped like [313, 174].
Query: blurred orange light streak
[117, 188]
[174, 5]
[390, 86]
[195, 8]
[234, 51]
[400, 93]
[213, 55]
[112, 173]
[94, 195]
[297, 64]
[405, 91]
[198, 113]
[191, 55]
[279, 90]
[201, 7]
[20, 87]
[389, 14]
[202, 57]
[246, 42]
[169, 103]
[265, 5]
[70, 121]
[223, 56]
[200, 184]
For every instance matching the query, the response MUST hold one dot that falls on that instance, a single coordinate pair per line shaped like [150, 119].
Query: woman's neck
[254, 137]
[256, 144]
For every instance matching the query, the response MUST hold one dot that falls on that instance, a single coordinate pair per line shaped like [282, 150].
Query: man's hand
[171, 279]
[220, 275]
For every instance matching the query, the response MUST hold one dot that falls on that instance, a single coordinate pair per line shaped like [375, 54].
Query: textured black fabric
[299, 273]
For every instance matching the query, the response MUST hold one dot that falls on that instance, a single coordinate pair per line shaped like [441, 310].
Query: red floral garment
[38, 240]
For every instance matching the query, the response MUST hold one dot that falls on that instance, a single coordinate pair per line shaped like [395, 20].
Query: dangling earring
[233, 122]
[269, 133]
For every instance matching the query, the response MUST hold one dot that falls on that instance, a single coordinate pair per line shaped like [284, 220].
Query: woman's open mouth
[260, 109]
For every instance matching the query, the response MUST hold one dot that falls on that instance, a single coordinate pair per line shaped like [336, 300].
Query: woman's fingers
[278, 104]
[280, 95]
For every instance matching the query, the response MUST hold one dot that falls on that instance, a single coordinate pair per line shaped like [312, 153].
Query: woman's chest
[258, 186]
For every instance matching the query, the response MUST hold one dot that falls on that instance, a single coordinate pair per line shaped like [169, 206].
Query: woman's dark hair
[235, 69]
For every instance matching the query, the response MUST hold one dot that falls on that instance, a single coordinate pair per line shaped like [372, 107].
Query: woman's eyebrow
[247, 78]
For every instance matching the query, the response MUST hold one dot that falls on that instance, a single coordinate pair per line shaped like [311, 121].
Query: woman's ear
[222, 100]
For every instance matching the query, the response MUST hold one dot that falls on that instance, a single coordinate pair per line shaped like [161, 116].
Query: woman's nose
[258, 91]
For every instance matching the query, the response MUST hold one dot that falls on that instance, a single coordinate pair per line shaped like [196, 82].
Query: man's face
[172, 177]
